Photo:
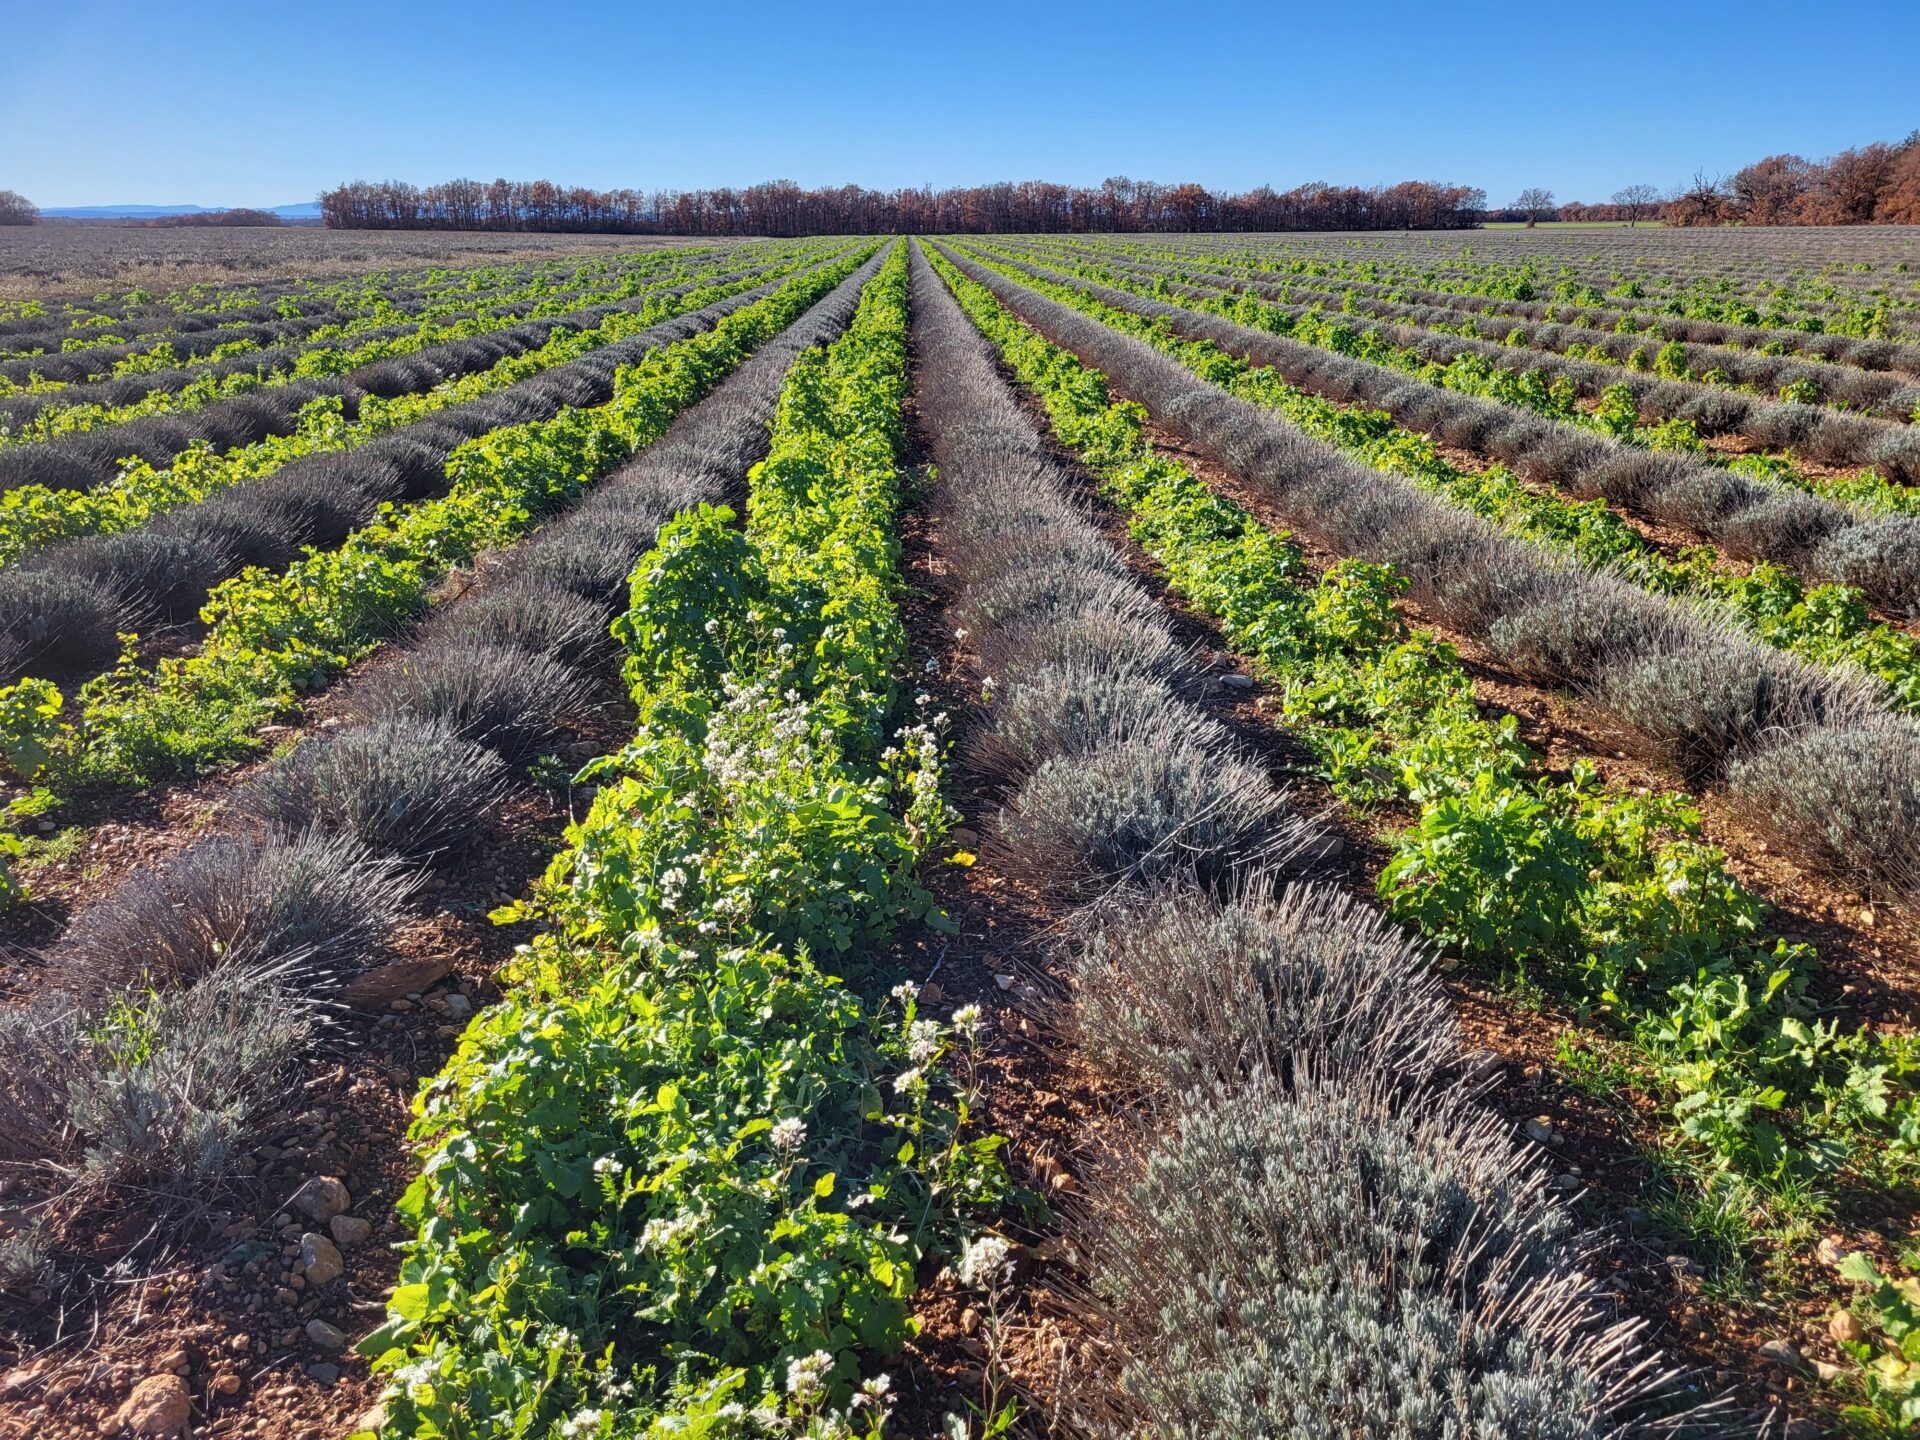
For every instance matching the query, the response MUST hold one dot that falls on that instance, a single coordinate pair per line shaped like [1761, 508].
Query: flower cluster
[986, 1263]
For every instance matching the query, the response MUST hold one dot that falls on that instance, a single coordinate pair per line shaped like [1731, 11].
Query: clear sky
[249, 102]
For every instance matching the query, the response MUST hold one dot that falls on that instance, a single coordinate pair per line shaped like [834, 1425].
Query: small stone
[1830, 1251]
[400, 1006]
[321, 1198]
[1779, 1352]
[1636, 1218]
[327, 1337]
[324, 1373]
[1237, 682]
[1827, 1371]
[1005, 982]
[969, 1320]
[159, 1405]
[349, 1229]
[286, 1295]
[321, 1257]
[1845, 1327]
[240, 1344]
[176, 1360]
[1539, 1130]
[16, 1383]
[1481, 1066]
[244, 1249]
[458, 1005]
[1683, 1265]
[1567, 1183]
[226, 1383]
[1802, 1429]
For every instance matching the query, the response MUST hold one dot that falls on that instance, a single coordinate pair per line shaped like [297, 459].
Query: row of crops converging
[1121, 835]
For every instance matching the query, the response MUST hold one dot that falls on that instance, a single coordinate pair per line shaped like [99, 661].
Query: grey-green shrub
[1176, 991]
[400, 786]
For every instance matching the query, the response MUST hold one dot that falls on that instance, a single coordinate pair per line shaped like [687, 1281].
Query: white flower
[1678, 886]
[905, 991]
[788, 1135]
[673, 886]
[960, 632]
[967, 1020]
[905, 1081]
[987, 1263]
[712, 627]
[932, 667]
[606, 1165]
[587, 1422]
[923, 1041]
[874, 1391]
[807, 1378]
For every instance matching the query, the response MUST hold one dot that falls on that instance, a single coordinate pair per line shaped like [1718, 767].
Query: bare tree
[1704, 202]
[1537, 202]
[1637, 201]
[16, 209]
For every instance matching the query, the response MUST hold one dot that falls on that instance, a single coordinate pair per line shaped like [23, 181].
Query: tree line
[782, 207]
[1877, 184]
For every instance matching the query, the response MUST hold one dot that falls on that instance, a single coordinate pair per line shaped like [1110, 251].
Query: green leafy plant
[1888, 1377]
[681, 1179]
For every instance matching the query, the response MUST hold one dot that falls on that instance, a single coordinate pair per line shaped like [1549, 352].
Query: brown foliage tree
[780, 207]
[1899, 202]
[1846, 189]
[1770, 191]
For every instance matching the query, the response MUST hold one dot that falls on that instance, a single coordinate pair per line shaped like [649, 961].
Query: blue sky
[221, 103]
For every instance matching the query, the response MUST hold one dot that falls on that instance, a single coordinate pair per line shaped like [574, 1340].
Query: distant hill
[308, 211]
